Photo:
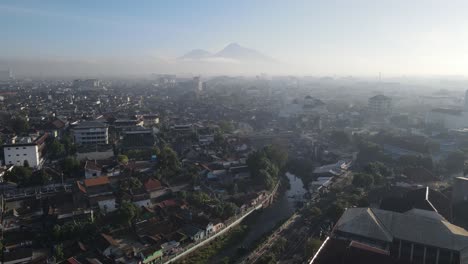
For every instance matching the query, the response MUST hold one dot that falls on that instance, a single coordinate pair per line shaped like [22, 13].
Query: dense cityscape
[234, 132]
[263, 169]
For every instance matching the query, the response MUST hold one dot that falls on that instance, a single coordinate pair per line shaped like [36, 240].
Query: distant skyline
[355, 37]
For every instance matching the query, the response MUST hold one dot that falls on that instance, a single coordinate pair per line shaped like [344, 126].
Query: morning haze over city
[234, 132]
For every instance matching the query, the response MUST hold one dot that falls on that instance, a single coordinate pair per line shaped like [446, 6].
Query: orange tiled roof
[96, 181]
[152, 184]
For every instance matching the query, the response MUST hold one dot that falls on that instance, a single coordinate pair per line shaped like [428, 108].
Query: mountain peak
[236, 51]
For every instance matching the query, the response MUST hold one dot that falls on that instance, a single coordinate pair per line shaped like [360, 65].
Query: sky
[347, 37]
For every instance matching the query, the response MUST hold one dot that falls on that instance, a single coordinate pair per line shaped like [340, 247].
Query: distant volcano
[232, 52]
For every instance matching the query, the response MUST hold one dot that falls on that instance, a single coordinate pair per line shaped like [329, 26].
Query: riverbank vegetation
[205, 253]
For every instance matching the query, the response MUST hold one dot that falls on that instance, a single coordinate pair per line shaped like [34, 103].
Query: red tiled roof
[73, 260]
[152, 184]
[168, 203]
[92, 165]
[96, 181]
[81, 187]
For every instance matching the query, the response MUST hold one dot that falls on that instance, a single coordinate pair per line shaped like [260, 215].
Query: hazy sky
[313, 37]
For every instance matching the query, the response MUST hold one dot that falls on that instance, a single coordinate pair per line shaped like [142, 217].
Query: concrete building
[88, 84]
[380, 105]
[150, 120]
[447, 118]
[460, 190]
[25, 149]
[91, 132]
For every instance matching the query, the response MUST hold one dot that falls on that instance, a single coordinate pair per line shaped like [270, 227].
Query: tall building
[198, 84]
[25, 150]
[91, 132]
[6, 75]
[380, 105]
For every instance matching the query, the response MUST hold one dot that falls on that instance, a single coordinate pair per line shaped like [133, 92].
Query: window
[24, 147]
[17, 155]
[17, 148]
[25, 154]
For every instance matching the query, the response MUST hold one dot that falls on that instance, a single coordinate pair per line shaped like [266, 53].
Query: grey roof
[410, 226]
[91, 124]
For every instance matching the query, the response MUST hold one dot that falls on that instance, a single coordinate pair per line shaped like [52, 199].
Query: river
[265, 220]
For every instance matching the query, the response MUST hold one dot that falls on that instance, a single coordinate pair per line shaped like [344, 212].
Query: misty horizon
[364, 38]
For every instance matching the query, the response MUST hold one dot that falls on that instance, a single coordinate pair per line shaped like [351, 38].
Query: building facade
[380, 105]
[91, 132]
[24, 151]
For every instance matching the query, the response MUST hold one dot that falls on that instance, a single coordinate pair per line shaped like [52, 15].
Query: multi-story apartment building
[91, 132]
[380, 105]
[25, 150]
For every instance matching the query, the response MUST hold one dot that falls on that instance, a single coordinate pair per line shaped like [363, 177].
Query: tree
[19, 124]
[313, 212]
[335, 210]
[20, 175]
[455, 162]
[226, 127]
[58, 252]
[229, 209]
[128, 212]
[340, 137]
[311, 247]
[71, 165]
[168, 162]
[122, 159]
[276, 154]
[416, 161]
[267, 259]
[130, 183]
[363, 180]
[56, 149]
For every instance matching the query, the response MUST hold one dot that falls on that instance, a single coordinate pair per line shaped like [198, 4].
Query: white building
[150, 120]
[380, 105]
[91, 132]
[307, 106]
[26, 149]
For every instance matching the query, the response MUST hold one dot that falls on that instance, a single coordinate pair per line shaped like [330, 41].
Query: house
[154, 188]
[92, 169]
[107, 246]
[203, 223]
[218, 225]
[98, 193]
[194, 233]
[25, 150]
[140, 197]
[151, 254]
